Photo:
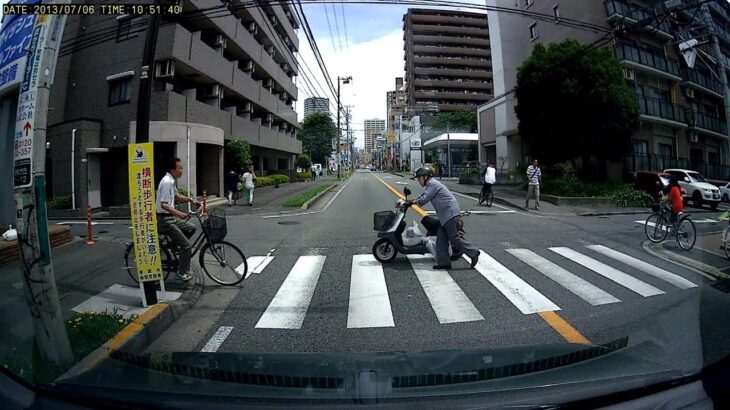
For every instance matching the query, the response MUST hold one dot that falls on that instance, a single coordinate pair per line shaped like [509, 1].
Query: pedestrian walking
[441, 171]
[314, 173]
[449, 215]
[534, 175]
[248, 183]
[232, 186]
[170, 221]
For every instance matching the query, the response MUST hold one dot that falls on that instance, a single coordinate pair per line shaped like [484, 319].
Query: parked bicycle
[657, 227]
[222, 261]
[486, 196]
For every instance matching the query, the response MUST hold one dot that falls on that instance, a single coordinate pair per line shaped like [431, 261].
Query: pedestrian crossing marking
[580, 287]
[290, 304]
[623, 279]
[448, 301]
[526, 298]
[369, 301]
[652, 270]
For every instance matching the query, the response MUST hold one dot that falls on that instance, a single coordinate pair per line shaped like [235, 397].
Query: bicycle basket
[382, 220]
[215, 225]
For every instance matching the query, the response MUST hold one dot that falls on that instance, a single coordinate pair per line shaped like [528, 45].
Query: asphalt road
[540, 280]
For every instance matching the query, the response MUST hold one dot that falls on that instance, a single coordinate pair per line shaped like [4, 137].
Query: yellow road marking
[399, 195]
[568, 332]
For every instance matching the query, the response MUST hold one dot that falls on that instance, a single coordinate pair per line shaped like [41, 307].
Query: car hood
[704, 185]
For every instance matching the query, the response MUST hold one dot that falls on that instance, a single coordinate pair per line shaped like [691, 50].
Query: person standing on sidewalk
[441, 171]
[449, 215]
[232, 187]
[534, 174]
[170, 221]
[248, 183]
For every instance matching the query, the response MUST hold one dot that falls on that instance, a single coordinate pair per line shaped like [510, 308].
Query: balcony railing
[721, 33]
[719, 9]
[621, 8]
[707, 122]
[705, 81]
[658, 163]
[647, 58]
[662, 109]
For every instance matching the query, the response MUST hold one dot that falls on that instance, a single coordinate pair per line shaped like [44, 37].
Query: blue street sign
[15, 38]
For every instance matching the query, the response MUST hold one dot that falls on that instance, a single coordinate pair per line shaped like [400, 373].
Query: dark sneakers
[441, 267]
[474, 261]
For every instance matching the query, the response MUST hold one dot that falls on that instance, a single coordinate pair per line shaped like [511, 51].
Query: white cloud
[373, 65]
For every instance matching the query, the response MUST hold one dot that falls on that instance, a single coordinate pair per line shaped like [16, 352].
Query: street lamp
[344, 80]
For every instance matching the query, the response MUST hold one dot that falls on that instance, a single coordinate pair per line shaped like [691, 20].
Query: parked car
[652, 183]
[699, 191]
[725, 192]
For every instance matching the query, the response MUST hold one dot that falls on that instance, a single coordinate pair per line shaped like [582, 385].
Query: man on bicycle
[675, 199]
[170, 221]
[490, 177]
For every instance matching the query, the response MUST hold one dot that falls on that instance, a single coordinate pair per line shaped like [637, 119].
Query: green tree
[237, 154]
[317, 132]
[303, 161]
[574, 103]
[464, 121]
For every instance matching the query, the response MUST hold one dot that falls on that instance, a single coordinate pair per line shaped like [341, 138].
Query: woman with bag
[248, 182]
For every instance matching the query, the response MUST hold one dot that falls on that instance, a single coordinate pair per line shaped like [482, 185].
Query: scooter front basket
[382, 220]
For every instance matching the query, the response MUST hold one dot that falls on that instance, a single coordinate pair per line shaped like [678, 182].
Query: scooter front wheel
[384, 251]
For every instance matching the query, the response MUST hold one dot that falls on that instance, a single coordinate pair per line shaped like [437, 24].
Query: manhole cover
[289, 223]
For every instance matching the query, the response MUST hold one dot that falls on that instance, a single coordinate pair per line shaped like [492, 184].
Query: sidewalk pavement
[514, 197]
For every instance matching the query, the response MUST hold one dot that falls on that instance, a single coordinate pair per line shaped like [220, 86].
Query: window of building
[641, 148]
[120, 90]
[129, 27]
[556, 12]
[533, 31]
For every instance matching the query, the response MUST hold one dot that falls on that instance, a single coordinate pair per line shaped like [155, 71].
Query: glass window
[556, 12]
[130, 27]
[533, 31]
[120, 91]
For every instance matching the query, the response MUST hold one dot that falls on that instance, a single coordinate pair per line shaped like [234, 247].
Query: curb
[145, 329]
[657, 250]
[498, 200]
[316, 197]
[648, 211]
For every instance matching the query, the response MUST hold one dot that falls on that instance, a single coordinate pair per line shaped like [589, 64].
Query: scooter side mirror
[406, 191]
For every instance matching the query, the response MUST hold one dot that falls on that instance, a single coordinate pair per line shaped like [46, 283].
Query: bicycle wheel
[482, 197]
[655, 228]
[130, 262]
[725, 240]
[686, 233]
[224, 263]
[490, 198]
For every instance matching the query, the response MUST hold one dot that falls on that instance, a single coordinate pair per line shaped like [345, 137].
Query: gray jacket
[443, 201]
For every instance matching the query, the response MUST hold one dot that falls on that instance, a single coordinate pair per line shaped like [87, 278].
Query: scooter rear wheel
[384, 251]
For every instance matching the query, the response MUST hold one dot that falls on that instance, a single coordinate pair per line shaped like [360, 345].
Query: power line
[337, 25]
[344, 25]
[327, 14]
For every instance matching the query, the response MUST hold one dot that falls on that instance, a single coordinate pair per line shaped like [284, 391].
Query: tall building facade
[316, 104]
[682, 109]
[448, 61]
[215, 79]
[397, 102]
[373, 129]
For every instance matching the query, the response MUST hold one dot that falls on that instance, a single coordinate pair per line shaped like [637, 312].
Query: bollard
[205, 204]
[90, 238]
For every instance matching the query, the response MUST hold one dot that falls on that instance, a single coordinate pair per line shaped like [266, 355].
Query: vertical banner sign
[24, 121]
[143, 212]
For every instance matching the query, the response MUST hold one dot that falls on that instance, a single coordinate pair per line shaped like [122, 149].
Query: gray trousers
[179, 232]
[449, 234]
[530, 190]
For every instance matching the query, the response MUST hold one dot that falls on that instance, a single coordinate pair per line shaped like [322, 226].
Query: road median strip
[307, 198]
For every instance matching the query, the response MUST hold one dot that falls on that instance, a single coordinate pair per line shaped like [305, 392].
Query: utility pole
[30, 190]
[448, 147]
[143, 111]
[721, 66]
[338, 128]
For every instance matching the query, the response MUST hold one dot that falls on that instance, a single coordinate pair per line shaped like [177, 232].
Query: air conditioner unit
[247, 107]
[690, 93]
[252, 28]
[165, 69]
[693, 137]
[629, 74]
[267, 83]
[248, 66]
[269, 50]
[220, 41]
[213, 91]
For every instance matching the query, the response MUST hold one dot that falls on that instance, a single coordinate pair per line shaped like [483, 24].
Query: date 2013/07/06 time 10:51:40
[89, 9]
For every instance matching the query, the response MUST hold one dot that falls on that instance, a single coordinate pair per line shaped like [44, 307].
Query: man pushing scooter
[449, 214]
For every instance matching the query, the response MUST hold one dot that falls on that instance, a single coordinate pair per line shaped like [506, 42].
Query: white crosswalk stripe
[448, 301]
[652, 270]
[582, 288]
[623, 279]
[289, 307]
[526, 298]
[369, 301]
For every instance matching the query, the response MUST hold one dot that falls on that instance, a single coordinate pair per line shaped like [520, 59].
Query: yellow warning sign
[143, 212]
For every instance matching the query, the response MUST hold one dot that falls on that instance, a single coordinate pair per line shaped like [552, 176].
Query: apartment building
[373, 129]
[448, 62]
[682, 112]
[216, 78]
[316, 104]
